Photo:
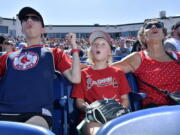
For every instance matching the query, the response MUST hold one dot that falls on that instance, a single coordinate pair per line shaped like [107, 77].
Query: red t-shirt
[97, 84]
[163, 75]
[61, 60]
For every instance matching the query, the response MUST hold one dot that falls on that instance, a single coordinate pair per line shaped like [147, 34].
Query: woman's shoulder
[129, 63]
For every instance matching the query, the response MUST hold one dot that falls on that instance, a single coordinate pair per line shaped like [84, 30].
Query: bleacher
[65, 115]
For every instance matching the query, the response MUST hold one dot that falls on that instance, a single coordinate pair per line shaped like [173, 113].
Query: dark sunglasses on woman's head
[158, 25]
[34, 18]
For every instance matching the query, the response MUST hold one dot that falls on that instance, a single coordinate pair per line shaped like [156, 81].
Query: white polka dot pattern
[164, 75]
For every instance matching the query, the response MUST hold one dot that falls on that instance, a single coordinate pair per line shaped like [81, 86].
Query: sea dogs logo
[25, 60]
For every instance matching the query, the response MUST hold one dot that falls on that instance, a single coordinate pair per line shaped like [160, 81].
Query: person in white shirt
[173, 43]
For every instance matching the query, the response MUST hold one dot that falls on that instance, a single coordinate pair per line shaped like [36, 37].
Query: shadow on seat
[65, 114]
[16, 128]
[135, 97]
[163, 120]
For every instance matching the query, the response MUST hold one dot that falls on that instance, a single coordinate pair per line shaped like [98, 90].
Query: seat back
[59, 105]
[163, 120]
[135, 97]
[116, 58]
[64, 115]
[15, 128]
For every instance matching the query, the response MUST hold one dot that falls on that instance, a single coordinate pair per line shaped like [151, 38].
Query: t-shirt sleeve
[3, 60]
[79, 89]
[124, 86]
[61, 59]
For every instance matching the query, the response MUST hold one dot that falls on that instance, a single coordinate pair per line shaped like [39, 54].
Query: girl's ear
[110, 52]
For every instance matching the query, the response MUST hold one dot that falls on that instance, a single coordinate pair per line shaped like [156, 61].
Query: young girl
[100, 80]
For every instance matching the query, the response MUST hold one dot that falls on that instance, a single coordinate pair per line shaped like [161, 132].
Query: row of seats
[156, 121]
[162, 120]
[138, 122]
[114, 59]
[65, 115]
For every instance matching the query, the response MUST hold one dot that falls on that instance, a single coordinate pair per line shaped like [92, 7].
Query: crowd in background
[122, 46]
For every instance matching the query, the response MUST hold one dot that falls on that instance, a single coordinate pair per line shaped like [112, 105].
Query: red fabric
[61, 60]
[3, 59]
[164, 75]
[97, 84]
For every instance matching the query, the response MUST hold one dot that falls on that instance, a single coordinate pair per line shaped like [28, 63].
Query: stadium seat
[135, 97]
[162, 120]
[64, 115]
[60, 100]
[116, 58]
[15, 128]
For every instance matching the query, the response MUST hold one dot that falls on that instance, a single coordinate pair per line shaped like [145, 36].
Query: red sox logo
[25, 60]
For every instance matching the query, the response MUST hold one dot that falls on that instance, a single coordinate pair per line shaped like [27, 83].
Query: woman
[100, 80]
[153, 65]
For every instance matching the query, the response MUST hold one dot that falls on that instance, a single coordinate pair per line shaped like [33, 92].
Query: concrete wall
[14, 24]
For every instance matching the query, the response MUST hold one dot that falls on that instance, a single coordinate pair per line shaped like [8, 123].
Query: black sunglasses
[34, 18]
[158, 25]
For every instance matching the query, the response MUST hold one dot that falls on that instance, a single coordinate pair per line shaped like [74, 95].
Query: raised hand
[71, 37]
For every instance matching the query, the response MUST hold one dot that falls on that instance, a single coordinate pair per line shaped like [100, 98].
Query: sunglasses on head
[158, 25]
[34, 18]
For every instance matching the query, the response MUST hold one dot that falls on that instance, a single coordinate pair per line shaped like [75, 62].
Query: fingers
[71, 37]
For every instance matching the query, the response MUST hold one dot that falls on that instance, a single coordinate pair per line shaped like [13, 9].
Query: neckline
[149, 58]
[103, 69]
[32, 46]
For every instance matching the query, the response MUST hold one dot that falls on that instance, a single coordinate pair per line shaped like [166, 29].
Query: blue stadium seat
[162, 120]
[83, 60]
[15, 128]
[135, 97]
[64, 115]
[116, 58]
[60, 100]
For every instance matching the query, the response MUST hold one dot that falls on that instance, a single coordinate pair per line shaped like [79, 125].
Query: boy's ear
[42, 31]
[22, 30]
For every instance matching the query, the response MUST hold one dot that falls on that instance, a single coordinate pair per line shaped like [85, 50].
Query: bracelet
[75, 50]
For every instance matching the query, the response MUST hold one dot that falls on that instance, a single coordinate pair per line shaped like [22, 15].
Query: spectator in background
[173, 43]
[9, 46]
[121, 50]
[153, 65]
[129, 45]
